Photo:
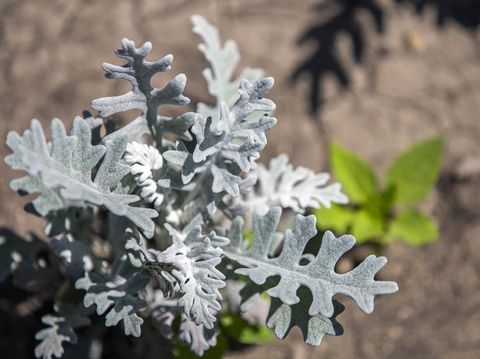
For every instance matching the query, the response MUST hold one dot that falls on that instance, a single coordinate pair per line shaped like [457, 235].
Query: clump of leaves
[379, 213]
[148, 228]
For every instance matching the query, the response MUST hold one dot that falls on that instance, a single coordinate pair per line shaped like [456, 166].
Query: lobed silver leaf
[318, 275]
[199, 338]
[60, 330]
[187, 268]
[118, 298]
[143, 96]
[233, 146]
[223, 61]
[296, 188]
[61, 171]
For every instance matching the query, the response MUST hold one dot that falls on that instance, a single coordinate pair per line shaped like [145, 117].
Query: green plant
[154, 231]
[381, 212]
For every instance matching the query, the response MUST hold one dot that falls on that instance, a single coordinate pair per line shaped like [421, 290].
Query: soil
[415, 80]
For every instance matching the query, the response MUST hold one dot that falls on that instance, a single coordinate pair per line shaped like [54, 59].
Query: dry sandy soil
[416, 80]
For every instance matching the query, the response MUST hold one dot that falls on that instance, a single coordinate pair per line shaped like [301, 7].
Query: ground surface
[416, 80]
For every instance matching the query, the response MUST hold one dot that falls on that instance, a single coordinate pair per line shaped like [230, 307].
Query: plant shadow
[341, 17]
[465, 13]
[325, 59]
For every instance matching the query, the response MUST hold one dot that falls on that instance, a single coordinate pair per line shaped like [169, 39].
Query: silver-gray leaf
[223, 62]
[282, 318]
[295, 188]
[196, 336]
[231, 147]
[60, 329]
[61, 171]
[118, 297]
[139, 73]
[144, 96]
[318, 276]
[187, 268]
[194, 260]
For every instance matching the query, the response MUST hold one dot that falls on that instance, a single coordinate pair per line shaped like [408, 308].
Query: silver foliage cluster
[144, 160]
[180, 194]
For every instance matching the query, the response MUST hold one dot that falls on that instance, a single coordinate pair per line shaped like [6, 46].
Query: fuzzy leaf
[282, 318]
[118, 297]
[139, 73]
[144, 161]
[234, 145]
[188, 266]
[318, 275]
[196, 336]
[135, 129]
[223, 62]
[51, 340]
[194, 259]
[61, 171]
[60, 330]
[143, 96]
[297, 189]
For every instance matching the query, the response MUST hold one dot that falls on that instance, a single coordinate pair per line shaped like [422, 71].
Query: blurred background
[374, 75]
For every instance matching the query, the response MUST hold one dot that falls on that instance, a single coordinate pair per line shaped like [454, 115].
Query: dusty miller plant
[149, 222]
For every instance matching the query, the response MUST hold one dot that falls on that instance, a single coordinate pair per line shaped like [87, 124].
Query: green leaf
[414, 228]
[385, 201]
[248, 235]
[414, 172]
[366, 226]
[336, 218]
[245, 333]
[356, 175]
